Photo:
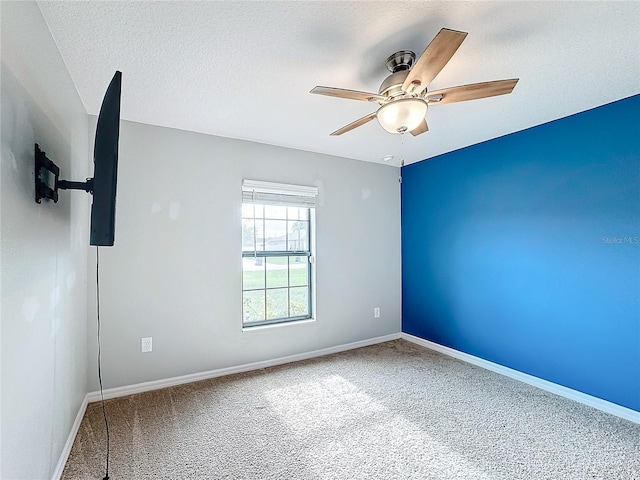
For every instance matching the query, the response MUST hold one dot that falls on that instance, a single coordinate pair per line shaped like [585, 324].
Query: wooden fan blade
[433, 59]
[423, 127]
[351, 94]
[471, 92]
[357, 123]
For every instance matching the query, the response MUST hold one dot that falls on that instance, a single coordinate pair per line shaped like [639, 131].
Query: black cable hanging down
[104, 412]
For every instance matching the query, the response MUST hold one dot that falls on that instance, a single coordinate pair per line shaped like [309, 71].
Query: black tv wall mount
[47, 179]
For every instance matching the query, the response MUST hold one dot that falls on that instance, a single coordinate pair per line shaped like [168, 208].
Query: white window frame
[279, 194]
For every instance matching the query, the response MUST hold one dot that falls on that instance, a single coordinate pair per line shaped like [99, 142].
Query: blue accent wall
[525, 251]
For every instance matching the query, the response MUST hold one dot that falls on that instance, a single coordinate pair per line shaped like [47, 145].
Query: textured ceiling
[244, 69]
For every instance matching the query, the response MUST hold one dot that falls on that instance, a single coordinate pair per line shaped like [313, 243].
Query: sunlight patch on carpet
[332, 416]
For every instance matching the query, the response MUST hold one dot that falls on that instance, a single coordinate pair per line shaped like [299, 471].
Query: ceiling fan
[403, 96]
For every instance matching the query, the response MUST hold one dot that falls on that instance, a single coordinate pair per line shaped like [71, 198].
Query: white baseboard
[195, 377]
[595, 402]
[64, 456]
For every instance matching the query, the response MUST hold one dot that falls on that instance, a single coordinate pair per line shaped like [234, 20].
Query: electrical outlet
[146, 344]
[376, 312]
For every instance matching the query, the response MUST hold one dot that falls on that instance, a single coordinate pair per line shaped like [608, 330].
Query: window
[277, 259]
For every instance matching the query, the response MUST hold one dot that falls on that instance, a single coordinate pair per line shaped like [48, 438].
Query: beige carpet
[390, 411]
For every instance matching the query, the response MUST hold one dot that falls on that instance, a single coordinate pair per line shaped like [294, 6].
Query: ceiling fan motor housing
[399, 65]
[392, 85]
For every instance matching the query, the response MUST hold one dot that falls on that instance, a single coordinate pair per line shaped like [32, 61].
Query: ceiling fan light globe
[402, 115]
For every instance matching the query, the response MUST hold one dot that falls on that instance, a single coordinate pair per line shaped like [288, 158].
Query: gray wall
[43, 250]
[175, 270]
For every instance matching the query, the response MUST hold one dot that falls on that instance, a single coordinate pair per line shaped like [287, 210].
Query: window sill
[278, 325]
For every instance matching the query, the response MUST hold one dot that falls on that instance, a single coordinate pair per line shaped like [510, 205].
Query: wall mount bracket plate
[47, 179]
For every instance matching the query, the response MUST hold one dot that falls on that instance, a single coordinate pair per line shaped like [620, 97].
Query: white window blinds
[267, 193]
